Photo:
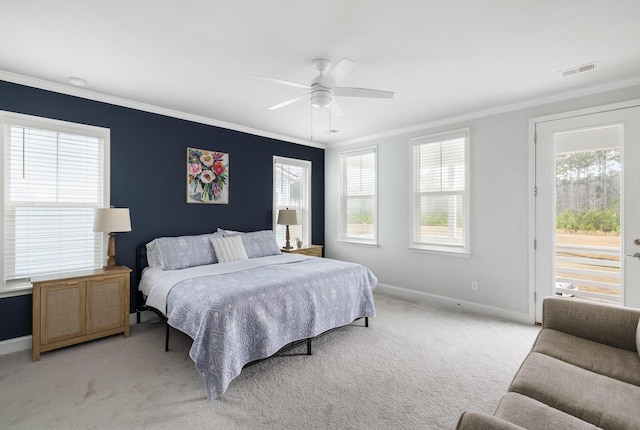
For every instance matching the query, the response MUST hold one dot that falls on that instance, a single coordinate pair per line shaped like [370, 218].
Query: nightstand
[314, 250]
[71, 308]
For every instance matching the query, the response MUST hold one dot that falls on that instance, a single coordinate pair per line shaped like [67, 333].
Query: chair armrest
[480, 421]
[608, 324]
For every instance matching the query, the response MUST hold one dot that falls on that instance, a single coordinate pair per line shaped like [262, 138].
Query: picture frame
[207, 176]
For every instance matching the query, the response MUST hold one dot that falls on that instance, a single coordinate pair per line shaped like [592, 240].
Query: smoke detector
[76, 81]
[579, 69]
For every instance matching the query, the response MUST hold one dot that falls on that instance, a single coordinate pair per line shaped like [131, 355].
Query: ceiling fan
[323, 89]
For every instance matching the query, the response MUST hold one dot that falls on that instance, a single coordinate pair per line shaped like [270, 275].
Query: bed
[241, 300]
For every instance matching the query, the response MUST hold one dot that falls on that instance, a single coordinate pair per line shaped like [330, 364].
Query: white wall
[499, 215]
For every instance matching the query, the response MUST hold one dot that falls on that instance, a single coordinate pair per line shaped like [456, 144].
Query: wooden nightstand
[315, 250]
[80, 306]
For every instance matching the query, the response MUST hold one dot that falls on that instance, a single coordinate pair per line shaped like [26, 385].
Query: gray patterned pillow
[186, 251]
[153, 255]
[259, 243]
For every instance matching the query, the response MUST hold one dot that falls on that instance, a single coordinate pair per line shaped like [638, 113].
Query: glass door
[587, 210]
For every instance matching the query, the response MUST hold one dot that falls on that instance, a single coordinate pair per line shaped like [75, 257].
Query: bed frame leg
[366, 321]
[166, 340]
[309, 346]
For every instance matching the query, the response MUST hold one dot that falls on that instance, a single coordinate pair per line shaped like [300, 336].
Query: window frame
[439, 248]
[306, 214]
[342, 236]
[9, 119]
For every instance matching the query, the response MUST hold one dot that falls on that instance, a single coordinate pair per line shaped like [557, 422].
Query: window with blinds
[54, 176]
[440, 203]
[358, 204]
[292, 190]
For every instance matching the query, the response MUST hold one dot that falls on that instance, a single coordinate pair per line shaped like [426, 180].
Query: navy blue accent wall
[148, 173]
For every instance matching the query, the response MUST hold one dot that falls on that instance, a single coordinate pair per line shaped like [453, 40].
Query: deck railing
[589, 263]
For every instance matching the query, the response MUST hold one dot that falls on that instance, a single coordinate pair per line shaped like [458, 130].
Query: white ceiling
[442, 58]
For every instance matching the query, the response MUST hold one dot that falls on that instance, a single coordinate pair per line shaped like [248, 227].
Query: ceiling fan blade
[337, 73]
[283, 82]
[288, 102]
[336, 110]
[362, 92]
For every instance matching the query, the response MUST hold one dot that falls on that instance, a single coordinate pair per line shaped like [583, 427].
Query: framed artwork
[207, 176]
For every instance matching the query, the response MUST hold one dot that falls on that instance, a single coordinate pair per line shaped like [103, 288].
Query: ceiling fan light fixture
[321, 98]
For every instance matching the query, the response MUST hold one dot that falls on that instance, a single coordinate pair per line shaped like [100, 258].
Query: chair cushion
[533, 415]
[638, 338]
[602, 401]
[617, 363]
[479, 421]
[609, 324]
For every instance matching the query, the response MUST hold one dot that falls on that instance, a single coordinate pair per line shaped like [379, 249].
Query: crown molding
[119, 101]
[567, 95]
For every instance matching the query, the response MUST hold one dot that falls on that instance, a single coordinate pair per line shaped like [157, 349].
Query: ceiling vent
[579, 69]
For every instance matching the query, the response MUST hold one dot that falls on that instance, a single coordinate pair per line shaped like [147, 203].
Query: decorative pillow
[229, 248]
[222, 231]
[153, 254]
[186, 251]
[260, 243]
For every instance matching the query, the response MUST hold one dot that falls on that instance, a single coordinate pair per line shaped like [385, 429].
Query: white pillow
[229, 248]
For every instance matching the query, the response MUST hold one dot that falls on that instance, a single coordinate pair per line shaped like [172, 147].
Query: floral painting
[207, 176]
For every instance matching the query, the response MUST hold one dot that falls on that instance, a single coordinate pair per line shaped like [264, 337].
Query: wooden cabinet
[75, 308]
[315, 250]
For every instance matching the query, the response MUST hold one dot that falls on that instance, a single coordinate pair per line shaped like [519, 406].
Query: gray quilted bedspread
[244, 316]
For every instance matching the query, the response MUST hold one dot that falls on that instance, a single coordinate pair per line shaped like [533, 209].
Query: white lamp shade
[287, 217]
[112, 220]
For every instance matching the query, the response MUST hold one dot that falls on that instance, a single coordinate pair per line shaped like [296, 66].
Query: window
[359, 202]
[292, 190]
[54, 178]
[440, 203]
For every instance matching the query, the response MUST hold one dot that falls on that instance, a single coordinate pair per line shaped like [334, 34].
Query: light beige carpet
[418, 365]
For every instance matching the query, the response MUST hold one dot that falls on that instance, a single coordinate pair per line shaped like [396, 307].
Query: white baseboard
[451, 302]
[21, 343]
[14, 345]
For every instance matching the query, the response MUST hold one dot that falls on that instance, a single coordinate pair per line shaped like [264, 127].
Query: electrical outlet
[474, 285]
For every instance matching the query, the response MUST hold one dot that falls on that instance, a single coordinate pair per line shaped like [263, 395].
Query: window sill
[21, 290]
[442, 251]
[356, 242]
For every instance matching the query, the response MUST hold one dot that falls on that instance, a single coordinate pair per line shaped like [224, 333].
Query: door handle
[636, 256]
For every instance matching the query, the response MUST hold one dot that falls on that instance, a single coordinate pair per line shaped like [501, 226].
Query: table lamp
[287, 217]
[111, 220]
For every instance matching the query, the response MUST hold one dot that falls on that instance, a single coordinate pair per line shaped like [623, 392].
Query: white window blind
[441, 192]
[358, 210]
[54, 179]
[292, 190]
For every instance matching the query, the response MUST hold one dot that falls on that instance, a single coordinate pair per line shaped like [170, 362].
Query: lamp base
[288, 239]
[111, 253]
